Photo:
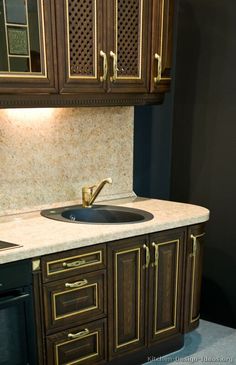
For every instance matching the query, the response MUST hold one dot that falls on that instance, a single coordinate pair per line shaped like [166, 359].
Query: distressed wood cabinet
[88, 52]
[119, 302]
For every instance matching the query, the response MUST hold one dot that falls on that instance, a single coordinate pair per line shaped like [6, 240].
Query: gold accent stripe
[57, 346]
[138, 295]
[90, 263]
[55, 295]
[176, 289]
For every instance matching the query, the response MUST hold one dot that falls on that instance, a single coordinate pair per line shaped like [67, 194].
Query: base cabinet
[125, 301]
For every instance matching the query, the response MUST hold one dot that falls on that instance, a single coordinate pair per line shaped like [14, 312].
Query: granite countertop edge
[40, 236]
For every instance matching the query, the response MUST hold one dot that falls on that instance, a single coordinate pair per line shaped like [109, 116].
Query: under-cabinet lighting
[30, 114]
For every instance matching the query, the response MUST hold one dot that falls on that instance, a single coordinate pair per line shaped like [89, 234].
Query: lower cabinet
[145, 290]
[120, 302]
[193, 272]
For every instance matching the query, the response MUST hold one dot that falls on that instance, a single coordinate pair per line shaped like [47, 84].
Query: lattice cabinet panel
[128, 38]
[128, 44]
[82, 38]
[83, 41]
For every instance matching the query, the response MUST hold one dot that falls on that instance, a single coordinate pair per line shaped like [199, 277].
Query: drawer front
[84, 345]
[79, 299]
[69, 263]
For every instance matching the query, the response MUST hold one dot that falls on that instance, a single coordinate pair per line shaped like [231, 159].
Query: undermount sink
[98, 214]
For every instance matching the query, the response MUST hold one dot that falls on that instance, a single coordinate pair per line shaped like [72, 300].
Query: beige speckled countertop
[39, 236]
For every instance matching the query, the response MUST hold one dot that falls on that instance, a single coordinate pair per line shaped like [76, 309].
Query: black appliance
[17, 329]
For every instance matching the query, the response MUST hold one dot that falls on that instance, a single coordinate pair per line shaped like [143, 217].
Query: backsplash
[47, 155]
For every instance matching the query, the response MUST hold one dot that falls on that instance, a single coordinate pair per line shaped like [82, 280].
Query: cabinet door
[193, 277]
[126, 295]
[165, 284]
[26, 37]
[128, 45]
[81, 51]
[162, 42]
[83, 345]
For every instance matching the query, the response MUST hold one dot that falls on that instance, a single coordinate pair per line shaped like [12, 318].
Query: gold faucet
[89, 194]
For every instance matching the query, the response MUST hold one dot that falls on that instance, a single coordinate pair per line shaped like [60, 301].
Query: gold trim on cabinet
[77, 339]
[87, 263]
[156, 332]
[193, 255]
[36, 264]
[116, 294]
[29, 75]
[140, 43]
[55, 295]
[94, 77]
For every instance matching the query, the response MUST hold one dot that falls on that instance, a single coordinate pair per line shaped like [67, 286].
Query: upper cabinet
[162, 44]
[26, 57]
[106, 52]
[104, 45]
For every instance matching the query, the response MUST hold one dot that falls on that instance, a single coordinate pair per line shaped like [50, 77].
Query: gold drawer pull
[158, 77]
[74, 264]
[194, 239]
[155, 245]
[77, 284]
[146, 248]
[104, 56]
[114, 57]
[79, 334]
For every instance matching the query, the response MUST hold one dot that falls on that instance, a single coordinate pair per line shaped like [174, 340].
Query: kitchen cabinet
[115, 52]
[193, 272]
[26, 54]
[142, 293]
[105, 46]
[146, 273]
[162, 45]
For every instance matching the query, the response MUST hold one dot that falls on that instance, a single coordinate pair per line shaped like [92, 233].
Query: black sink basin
[98, 214]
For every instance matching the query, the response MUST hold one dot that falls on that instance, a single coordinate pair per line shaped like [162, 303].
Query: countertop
[39, 236]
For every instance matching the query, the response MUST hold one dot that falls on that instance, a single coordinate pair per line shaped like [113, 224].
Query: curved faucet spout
[89, 194]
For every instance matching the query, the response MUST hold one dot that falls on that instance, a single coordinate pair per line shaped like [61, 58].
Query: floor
[209, 344]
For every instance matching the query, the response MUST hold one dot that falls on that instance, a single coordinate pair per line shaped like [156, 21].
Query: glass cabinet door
[24, 53]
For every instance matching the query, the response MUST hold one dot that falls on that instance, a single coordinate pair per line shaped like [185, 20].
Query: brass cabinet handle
[74, 264]
[105, 68]
[77, 284]
[79, 334]
[155, 245]
[194, 239]
[158, 77]
[146, 248]
[114, 77]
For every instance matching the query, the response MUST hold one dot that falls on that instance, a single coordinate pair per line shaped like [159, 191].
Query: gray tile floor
[209, 344]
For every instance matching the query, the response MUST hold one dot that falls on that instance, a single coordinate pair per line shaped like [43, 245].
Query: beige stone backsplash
[47, 155]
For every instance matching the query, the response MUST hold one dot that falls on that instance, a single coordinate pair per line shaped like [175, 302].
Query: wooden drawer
[69, 263]
[78, 299]
[84, 345]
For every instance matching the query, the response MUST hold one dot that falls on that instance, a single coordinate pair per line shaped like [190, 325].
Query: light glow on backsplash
[30, 115]
[47, 155]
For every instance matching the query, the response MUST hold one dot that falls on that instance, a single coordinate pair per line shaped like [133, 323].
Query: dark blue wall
[152, 149]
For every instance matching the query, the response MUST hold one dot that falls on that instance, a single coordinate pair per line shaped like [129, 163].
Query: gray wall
[204, 141]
